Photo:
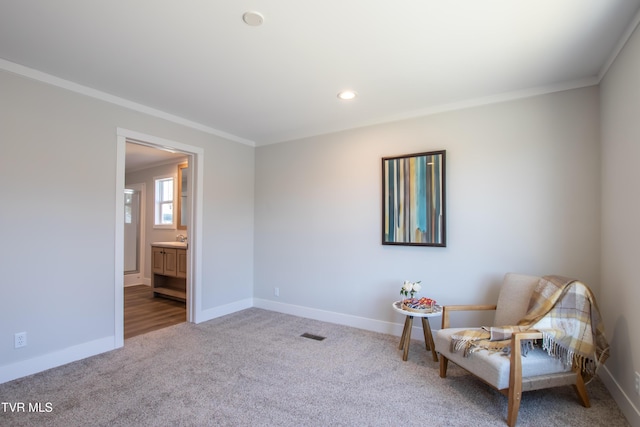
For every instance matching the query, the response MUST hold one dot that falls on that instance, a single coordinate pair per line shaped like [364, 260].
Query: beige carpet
[253, 368]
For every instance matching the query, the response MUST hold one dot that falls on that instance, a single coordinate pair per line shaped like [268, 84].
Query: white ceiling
[140, 157]
[197, 62]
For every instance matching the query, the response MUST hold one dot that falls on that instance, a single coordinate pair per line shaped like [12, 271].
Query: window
[164, 202]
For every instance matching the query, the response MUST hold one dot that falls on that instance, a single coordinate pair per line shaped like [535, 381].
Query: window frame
[157, 202]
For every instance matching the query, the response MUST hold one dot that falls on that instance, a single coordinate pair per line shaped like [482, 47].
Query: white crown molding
[103, 96]
[470, 103]
[477, 102]
[498, 98]
[159, 163]
[621, 43]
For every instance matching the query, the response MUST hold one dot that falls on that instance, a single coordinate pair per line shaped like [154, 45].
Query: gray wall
[523, 195]
[621, 219]
[57, 180]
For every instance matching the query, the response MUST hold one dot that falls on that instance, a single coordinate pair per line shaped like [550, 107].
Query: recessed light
[254, 19]
[346, 95]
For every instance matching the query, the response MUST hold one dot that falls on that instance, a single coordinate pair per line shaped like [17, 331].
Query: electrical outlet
[276, 292]
[638, 383]
[20, 339]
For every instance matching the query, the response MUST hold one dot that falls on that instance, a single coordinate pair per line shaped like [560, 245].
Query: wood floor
[143, 313]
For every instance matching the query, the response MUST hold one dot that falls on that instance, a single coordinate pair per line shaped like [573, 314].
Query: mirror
[413, 199]
[183, 214]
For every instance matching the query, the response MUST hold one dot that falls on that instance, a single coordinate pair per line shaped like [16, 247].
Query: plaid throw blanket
[566, 313]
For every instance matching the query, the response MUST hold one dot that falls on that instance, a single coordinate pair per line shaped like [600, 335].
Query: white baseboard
[627, 407]
[223, 310]
[37, 364]
[341, 318]
[144, 281]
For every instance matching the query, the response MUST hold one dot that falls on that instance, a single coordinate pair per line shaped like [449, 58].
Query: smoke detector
[253, 19]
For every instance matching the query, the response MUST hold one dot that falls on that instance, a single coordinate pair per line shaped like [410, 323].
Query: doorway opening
[136, 259]
[147, 307]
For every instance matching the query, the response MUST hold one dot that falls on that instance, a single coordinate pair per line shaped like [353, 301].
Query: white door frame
[195, 197]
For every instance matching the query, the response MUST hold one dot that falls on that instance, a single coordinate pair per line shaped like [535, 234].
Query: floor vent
[313, 337]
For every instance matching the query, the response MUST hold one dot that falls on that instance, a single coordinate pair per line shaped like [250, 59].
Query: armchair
[515, 373]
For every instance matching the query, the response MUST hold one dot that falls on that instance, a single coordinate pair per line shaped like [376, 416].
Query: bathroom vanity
[169, 270]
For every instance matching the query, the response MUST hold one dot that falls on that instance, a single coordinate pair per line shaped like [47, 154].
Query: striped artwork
[413, 199]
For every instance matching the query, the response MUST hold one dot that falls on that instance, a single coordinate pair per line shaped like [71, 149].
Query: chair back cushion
[514, 297]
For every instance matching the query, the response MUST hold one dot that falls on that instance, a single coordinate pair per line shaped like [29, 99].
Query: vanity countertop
[182, 245]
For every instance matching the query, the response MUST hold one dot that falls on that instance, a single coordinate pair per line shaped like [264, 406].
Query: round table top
[397, 306]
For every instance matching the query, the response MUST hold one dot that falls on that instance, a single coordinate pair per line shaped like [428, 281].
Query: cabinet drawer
[181, 270]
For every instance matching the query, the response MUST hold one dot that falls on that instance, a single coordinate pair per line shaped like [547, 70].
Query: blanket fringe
[568, 357]
[470, 346]
[461, 344]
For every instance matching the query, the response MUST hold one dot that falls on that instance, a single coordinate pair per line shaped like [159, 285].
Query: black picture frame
[414, 199]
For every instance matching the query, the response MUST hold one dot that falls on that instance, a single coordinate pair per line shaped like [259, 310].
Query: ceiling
[197, 62]
[140, 157]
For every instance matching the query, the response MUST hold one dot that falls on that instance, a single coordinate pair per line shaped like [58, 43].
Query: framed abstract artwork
[413, 199]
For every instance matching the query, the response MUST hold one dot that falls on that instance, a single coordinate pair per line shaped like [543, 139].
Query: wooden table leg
[408, 324]
[404, 334]
[428, 338]
[425, 329]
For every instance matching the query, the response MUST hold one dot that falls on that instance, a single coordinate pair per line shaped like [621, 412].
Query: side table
[426, 328]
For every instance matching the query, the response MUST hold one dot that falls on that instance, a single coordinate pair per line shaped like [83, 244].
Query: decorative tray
[422, 305]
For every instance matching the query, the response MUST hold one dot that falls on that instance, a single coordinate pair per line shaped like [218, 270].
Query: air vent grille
[312, 336]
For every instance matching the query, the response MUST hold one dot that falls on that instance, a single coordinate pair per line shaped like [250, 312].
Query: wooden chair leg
[444, 362]
[581, 390]
[515, 382]
[513, 406]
